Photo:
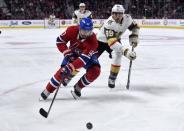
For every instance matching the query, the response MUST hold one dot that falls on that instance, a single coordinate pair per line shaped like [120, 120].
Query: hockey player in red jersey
[80, 53]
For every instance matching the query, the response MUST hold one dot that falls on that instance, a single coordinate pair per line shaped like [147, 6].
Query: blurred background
[101, 9]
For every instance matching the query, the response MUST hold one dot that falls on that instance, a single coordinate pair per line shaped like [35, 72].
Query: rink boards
[61, 23]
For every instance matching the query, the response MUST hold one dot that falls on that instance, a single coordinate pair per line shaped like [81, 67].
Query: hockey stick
[43, 112]
[129, 73]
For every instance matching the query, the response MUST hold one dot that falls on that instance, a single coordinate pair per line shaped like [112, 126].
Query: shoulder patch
[109, 22]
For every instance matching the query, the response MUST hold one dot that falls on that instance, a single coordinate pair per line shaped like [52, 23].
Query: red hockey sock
[91, 75]
[54, 82]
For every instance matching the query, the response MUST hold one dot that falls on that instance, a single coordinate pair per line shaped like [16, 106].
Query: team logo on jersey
[77, 51]
[91, 52]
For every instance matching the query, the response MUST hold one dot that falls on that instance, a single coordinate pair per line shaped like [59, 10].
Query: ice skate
[76, 93]
[44, 95]
[111, 83]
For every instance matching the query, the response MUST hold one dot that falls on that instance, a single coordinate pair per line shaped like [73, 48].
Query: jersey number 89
[109, 33]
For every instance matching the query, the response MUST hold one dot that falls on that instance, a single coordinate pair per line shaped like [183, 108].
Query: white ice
[155, 101]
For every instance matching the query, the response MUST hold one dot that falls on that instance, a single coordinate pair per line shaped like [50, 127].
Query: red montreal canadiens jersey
[84, 48]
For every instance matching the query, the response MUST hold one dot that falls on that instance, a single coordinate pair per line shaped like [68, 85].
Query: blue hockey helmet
[86, 28]
[86, 24]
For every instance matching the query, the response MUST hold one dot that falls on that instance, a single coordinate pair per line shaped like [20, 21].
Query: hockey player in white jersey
[109, 37]
[80, 13]
[51, 21]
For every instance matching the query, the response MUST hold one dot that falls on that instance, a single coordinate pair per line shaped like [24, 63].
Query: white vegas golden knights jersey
[77, 16]
[112, 31]
[52, 17]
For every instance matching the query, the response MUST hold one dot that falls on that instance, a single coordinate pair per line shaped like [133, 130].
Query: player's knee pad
[93, 72]
[75, 72]
[57, 75]
[116, 59]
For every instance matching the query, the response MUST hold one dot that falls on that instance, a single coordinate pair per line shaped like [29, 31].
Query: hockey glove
[68, 54]
[66, 71]
[133, 40]
[131, 55]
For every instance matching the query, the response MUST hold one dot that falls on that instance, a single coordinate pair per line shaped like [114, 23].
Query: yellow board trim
[97, 26]
[165, 27]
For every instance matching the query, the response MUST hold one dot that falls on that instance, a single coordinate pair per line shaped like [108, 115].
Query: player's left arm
[74, 18]
[134, 37]
[63, 39]
[78, 63]
[87, 53]
[118, 47]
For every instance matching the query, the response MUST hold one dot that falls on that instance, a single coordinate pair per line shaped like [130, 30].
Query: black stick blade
[43, 113]
[127, 87]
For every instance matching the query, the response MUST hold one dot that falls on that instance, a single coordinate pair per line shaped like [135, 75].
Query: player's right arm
[111, 36]
[74, 18]
[62, 40]
[113, 42]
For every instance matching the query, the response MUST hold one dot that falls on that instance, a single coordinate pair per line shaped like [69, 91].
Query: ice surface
[155, 101]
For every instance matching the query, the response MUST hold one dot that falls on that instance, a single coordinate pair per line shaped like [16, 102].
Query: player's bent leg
[115, 68]
[54, 83]
[92, 74]
[103, 47]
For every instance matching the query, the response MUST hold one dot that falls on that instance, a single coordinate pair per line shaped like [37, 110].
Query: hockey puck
[0, 31]
[89, 125]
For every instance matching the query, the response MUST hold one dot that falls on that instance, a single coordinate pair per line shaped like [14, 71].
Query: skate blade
[41, 99]
[74, 95]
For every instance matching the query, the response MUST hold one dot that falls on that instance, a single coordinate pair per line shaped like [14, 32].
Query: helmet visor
[117, 13]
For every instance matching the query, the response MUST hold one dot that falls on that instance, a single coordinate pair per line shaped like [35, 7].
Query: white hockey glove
[133, 40]
[131, 55]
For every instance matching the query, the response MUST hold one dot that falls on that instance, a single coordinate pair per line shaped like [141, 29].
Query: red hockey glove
[68, 54]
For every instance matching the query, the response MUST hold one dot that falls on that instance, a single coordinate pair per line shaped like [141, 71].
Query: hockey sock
[54, 82]
[91, 75]
[114, 71]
